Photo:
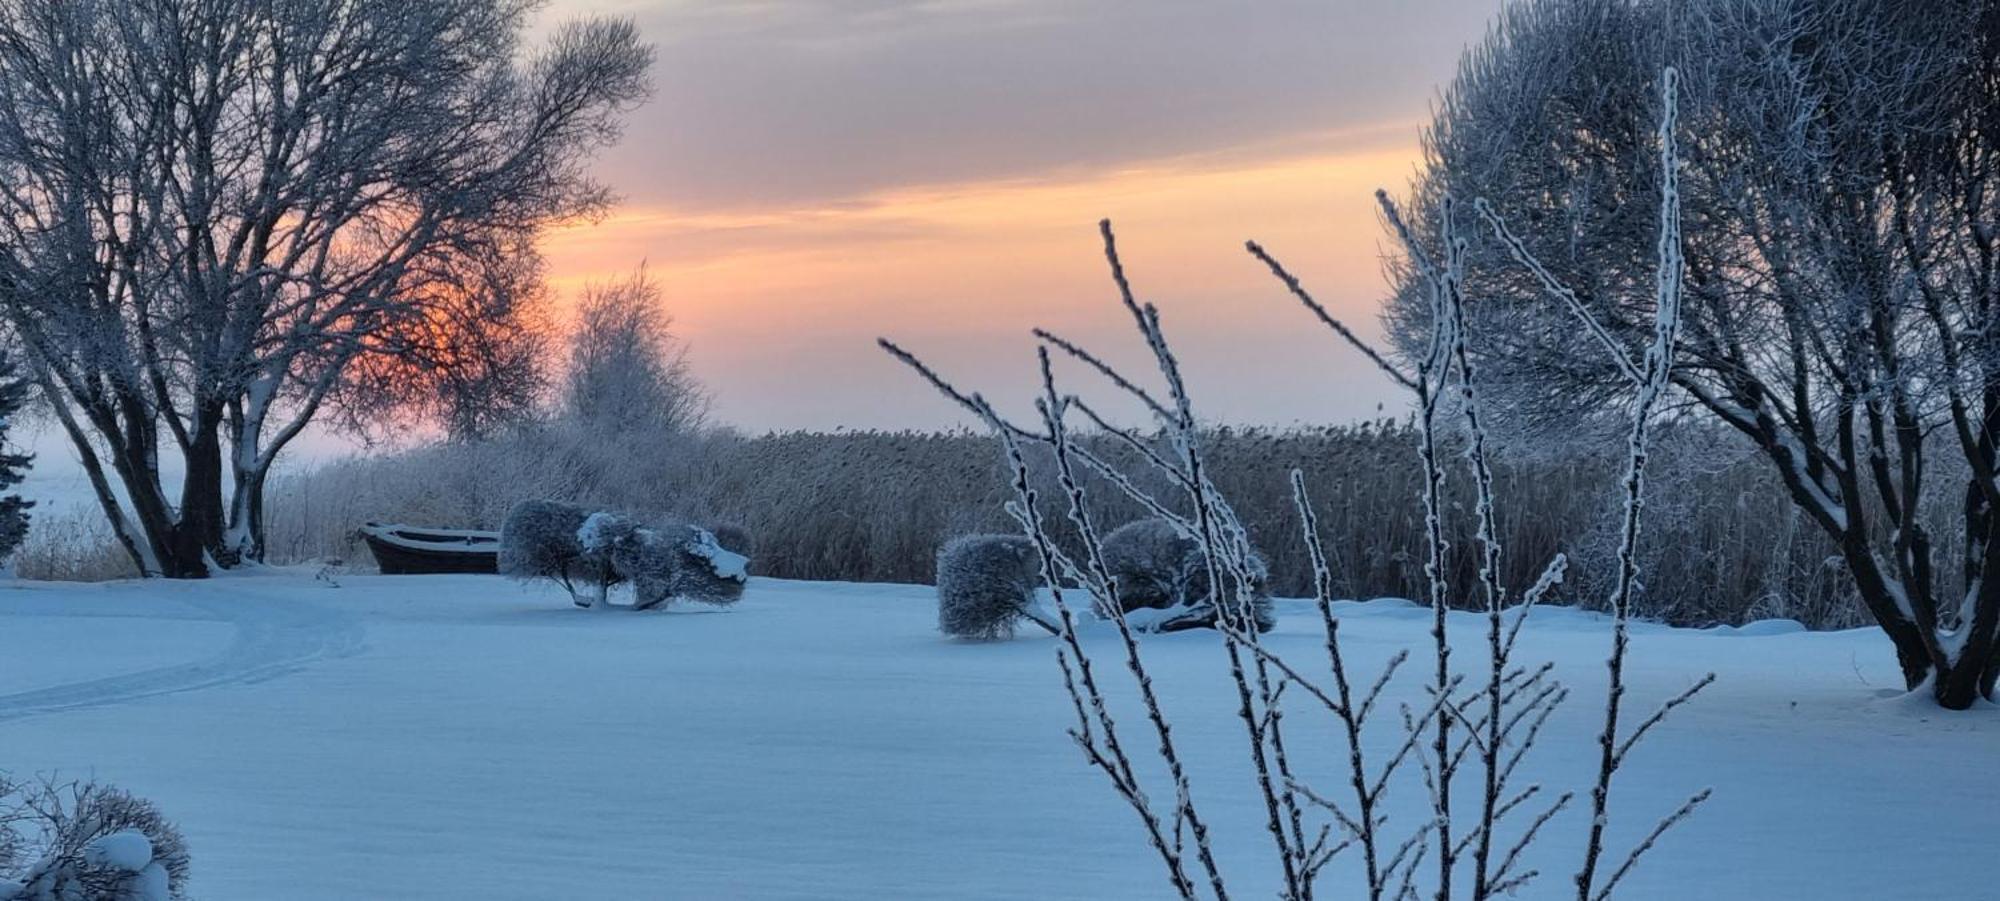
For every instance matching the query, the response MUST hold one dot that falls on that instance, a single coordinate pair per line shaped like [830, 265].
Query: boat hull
[401, 550]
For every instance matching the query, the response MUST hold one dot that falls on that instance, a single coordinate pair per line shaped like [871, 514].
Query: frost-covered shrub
[706, 570]
[90, 842]
[665, 562]
[1156, 567]
[986, 585]
[539, 540]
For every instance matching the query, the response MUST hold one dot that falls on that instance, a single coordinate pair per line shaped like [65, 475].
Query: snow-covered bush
[1157, 567]
[986, 586]
[89, 842]
[539, 540]
[705, 571]
[665, 562]
[633, 553]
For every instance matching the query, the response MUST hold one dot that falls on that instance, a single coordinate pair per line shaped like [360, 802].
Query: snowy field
[465, 737]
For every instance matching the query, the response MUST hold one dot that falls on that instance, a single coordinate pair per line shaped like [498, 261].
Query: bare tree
[476, 363]
[1843, 270]
[214, 208]
[628, 374]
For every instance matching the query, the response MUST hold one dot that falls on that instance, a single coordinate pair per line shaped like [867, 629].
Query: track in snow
[274, 636]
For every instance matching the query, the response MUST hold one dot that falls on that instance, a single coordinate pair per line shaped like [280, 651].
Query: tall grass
[875, 506]
[74, 545]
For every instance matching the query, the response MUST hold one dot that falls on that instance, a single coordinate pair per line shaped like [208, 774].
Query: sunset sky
[811, 174]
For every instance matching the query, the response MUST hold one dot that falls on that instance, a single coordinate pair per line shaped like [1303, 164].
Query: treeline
[1725, 545]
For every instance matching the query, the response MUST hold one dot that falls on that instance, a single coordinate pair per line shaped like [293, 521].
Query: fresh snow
[127, 850]
[726, 564]
[468, 737]
[596, 532]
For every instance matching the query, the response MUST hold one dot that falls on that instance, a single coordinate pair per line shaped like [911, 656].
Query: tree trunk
[1913, 655]
[246, 512]
[197, 534]
[1969, 675]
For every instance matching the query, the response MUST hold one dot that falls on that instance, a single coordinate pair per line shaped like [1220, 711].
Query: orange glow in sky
[812, 174]
[781, 307]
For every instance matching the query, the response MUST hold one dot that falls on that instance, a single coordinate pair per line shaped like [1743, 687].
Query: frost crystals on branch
[1652, 379]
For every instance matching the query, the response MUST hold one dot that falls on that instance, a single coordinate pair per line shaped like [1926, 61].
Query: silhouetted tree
[216, 208]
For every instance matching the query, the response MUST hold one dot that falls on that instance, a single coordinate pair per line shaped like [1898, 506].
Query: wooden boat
[401, 549]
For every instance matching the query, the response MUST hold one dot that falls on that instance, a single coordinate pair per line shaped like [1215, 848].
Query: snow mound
[600, 530]
[725, 563]
[127, 850]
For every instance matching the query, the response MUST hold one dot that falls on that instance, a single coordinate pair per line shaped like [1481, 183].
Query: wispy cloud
[791, 102]
[812, 173]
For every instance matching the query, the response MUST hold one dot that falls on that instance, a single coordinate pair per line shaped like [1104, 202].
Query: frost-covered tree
[215, 208]
[541, 540]
[628, 375]
[1842, 300]
[13, 467]
[986, 586]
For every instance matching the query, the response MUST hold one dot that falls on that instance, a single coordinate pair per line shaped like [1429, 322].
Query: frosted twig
[1625, 747]
[1519, 250]
[1655, 379]
[970, 402]
[1552, 575]
[1050, 407]
[1110, 374]
[1381, 682]
[1659, 829]
[1513, 855]
[1433, 369]
[1298, 290]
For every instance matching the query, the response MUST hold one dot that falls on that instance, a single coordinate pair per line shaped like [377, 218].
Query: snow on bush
[1157, 567]
[986, 586]
[90, 842]
[666, 562]
[540, 540]
[705, 571]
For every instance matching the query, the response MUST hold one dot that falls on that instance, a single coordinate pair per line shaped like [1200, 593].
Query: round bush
[986, 585]
[1156, 567]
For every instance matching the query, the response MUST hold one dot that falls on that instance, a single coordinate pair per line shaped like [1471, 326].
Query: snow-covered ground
[465, 737]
